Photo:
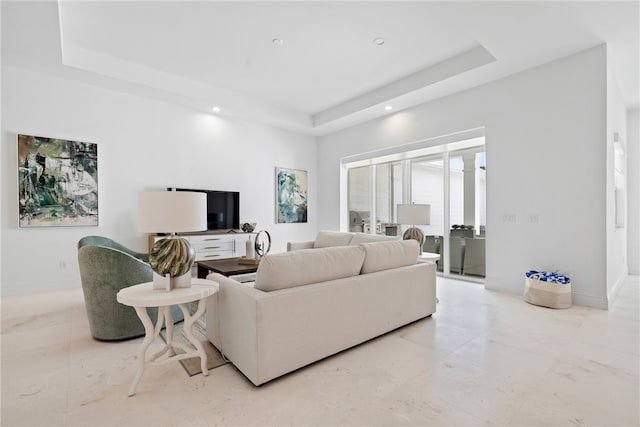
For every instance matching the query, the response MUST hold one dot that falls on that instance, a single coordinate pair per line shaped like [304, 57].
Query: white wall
[546, 148]
[616, 236]
[1, 162]
[633, 191]
[142, 144]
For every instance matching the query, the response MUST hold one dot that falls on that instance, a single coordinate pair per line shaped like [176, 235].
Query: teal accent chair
[106, 267]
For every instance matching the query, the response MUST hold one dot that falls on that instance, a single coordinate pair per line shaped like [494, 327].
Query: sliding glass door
[467, 212]
[451, 181]
[359, 198]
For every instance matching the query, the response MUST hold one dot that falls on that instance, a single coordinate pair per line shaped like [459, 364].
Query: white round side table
[428, 256]
[142, 296]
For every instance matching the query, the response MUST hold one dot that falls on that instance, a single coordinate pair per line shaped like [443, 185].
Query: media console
[213, 245]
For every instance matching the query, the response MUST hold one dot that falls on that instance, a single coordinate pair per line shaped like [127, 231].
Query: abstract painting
[291, 195]
[57, 182]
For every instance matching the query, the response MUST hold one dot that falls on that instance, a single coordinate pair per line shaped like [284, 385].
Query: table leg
[169, 327]
[167, 347]
[188, 332]
[142, 352]
[203, 272]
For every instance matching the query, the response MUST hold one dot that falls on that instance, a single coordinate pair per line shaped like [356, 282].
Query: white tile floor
[485, 358]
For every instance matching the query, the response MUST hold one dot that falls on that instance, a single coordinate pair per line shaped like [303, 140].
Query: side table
[142, 296]
[428, 256]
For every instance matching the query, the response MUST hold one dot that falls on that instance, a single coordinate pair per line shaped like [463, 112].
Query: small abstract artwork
[57, 182]
[291, 196]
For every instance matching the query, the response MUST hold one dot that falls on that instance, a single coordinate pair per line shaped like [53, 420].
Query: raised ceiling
[327, 73]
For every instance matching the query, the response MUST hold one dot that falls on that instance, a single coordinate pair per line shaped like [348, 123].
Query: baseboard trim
[615, 289]
[502, 285]
[589, 301]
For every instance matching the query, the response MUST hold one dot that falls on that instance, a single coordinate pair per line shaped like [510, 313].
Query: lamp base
[171, 260]
[168, 283]
[416, 234]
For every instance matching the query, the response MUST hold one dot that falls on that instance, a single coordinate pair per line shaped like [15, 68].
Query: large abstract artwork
[57, 182]
[291, 195]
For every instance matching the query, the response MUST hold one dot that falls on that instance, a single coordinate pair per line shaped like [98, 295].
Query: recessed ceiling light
[388, 107]
[216, 109]
[378, 41]
[277, 42]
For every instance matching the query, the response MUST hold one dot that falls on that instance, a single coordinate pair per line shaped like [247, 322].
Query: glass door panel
[388, 196]
[427, 187]
[467, 212]
[456, 213]
[359, 198]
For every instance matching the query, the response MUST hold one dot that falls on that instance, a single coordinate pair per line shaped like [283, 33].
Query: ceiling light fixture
[216, 109]
[277, 42]
[388, 107]
[378, 41]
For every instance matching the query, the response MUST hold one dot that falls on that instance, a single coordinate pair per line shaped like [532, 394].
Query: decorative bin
[547, 289]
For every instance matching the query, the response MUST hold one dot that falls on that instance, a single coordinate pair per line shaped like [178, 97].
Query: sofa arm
[294, 246]
[232, 320]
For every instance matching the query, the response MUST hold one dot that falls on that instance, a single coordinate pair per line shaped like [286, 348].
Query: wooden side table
[142, 296]
[226, 267]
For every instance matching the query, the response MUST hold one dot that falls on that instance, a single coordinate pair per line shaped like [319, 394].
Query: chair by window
[433, 245]
[456, 254]
[474, 257]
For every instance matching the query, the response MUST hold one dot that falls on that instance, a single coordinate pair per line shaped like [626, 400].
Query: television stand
[211, 245]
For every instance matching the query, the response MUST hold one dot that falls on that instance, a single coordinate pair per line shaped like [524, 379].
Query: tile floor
[485, 358]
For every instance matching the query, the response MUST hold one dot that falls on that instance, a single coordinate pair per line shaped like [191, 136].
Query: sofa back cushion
[306, 266]
[359, 238]
[386, 255]
[326, 239]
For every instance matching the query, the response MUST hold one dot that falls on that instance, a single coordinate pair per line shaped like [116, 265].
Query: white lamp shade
[172, 211]
[414, 214]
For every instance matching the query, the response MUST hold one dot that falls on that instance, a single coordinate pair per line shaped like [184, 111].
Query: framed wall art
[291, 195]
[57, 182]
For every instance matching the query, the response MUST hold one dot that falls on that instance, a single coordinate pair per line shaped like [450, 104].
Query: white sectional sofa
[308, 304]
[326, 239]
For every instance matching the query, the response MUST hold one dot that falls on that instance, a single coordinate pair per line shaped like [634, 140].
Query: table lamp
[414, 214]
[172, 212]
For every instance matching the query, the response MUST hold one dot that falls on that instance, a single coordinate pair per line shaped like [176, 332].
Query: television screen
[223, 208]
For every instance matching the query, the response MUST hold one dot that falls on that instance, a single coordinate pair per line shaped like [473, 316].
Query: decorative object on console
[260, 244]
[171, 212]
[57, 182]
[250, 249]
[414, 214]
[291, 196]
[461, 231]
[249, 257]
[248, 227]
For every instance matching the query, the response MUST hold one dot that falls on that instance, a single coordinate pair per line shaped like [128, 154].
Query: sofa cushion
[386, 255]
[306, 266]
[359, 238]
[326, 239]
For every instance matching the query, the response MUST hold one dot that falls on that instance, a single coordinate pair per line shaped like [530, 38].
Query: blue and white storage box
[547, 289]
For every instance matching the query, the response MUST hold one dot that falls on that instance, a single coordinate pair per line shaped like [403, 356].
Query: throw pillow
[387, 255]
[306, 266]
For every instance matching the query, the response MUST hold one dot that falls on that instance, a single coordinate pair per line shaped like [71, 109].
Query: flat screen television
[223, 208]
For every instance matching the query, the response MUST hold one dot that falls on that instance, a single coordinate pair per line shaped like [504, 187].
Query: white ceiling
[327, 74]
